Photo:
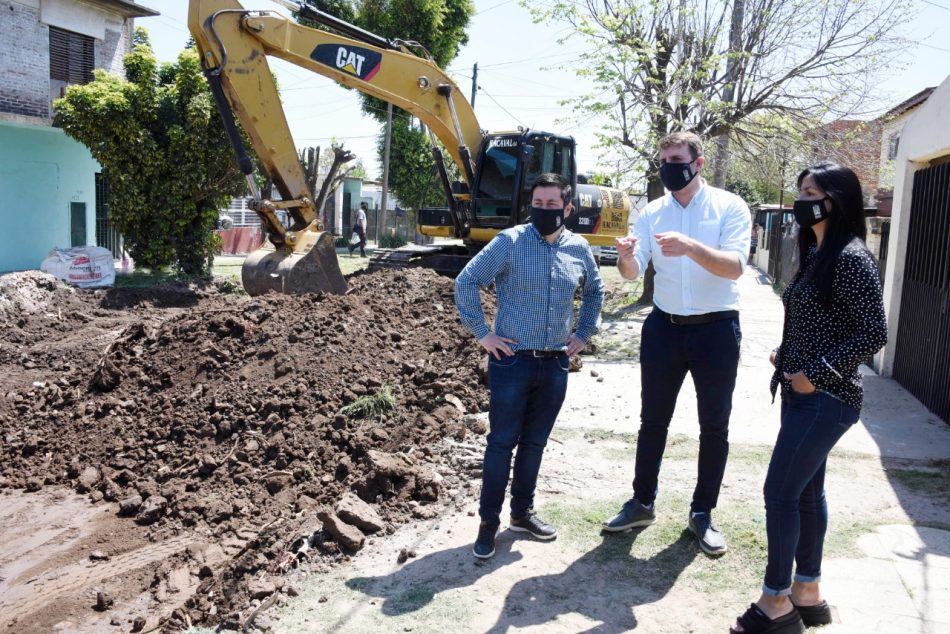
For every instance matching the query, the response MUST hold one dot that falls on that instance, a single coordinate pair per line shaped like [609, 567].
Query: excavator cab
[508, 165]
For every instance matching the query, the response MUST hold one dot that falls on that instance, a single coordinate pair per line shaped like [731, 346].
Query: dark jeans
[362, 243]
[710, 353]
[526, 396]
[796, 516]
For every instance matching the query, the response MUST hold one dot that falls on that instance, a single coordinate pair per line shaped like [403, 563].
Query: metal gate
[922, 355]
[106, 235]
[775, 245]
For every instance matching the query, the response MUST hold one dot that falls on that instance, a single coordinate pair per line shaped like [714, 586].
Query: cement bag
[86, 267]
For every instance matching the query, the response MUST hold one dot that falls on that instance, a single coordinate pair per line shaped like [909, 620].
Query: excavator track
[448, 260]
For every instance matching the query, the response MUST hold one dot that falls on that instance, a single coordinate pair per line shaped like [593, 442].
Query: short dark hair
[363, 204]
[688, 139]
[550, 179]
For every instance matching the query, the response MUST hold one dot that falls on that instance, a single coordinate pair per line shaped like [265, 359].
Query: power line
[934, 4]
[505, 110]
[936, 48]
[494, 6]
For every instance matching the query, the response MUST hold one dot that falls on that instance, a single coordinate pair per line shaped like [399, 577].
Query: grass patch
[620, 299]
[841, 540]
[371, 405]
[144, 278]
[615, 345]
[665, 553]
[932, 479]
[622, 446]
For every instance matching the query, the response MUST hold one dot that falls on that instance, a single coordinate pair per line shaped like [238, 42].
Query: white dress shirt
[716, 218]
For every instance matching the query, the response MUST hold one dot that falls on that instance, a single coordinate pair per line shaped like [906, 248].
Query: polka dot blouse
[829, 341]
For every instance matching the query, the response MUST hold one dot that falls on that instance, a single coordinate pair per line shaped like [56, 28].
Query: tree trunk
[654, 191]
[722, 161]
[332, 181]
[729, 91]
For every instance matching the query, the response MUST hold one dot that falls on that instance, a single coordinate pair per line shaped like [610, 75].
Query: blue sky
[519, 85]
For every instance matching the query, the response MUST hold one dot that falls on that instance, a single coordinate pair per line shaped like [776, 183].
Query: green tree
[658, 66]
[433, 26]
[167, 159]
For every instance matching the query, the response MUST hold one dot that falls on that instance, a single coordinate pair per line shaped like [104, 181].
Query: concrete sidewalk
[902, 584]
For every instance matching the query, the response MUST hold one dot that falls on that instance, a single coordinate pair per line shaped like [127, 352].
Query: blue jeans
[710, 353]
[526, 396]
[796, 516]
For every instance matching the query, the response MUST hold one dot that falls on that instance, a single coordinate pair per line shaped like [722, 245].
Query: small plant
[377, 404]
[392, 242]
[341, 242]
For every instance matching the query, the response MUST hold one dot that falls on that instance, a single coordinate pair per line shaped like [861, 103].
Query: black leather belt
[540, 354]
[695, 320]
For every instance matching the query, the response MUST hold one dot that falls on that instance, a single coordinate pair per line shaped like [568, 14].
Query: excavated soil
[209, 438]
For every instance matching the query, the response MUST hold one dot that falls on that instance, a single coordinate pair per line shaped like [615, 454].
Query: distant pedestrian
[698, 239]
[536, 269]
[359, 228]
[754, 243]
[834, 319]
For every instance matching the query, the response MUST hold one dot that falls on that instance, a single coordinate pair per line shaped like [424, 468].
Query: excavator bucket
[312, 267]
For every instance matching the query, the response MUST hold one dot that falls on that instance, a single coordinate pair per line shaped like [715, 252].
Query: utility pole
[474, 83]
[381, 217]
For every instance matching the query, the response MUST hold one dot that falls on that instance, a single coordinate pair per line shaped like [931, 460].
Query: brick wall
[24, 61]
[111, 51]
[854, 144]
[24, 57]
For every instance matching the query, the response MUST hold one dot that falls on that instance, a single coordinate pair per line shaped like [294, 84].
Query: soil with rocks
[256, 434]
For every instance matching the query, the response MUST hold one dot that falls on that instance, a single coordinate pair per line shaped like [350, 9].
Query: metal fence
[921, 359]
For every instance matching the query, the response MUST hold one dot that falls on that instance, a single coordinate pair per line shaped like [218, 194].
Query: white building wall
[925, 137]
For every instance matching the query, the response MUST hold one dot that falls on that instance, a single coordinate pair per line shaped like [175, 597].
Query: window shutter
[71, 56]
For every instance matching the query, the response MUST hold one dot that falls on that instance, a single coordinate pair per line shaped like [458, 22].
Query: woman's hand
[773, 357]
[800, 383]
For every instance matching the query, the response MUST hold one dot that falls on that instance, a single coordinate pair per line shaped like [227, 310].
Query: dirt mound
[31, 292]
[243, 418]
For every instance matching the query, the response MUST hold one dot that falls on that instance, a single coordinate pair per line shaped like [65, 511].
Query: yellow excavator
[495, 186]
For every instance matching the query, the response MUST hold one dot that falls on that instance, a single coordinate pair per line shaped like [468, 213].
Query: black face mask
[809, 212]
[676, 176]
[547, 221]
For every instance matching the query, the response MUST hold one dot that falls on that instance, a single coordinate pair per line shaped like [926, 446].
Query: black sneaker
[710, 539]
[484, 546]
[534, 525]
[632, 515]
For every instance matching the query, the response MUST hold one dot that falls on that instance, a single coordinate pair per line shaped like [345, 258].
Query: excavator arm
[234, 44]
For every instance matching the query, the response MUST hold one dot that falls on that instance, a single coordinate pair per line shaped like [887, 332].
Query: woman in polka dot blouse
[834, 319]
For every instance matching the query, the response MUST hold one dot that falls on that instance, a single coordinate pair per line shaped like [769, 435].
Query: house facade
[892, 125]
[917, 273]
[51, 190]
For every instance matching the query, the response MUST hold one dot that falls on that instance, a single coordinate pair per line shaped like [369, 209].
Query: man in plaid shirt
[536, 268]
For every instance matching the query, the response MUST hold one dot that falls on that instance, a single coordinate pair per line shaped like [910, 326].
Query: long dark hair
[844, 223]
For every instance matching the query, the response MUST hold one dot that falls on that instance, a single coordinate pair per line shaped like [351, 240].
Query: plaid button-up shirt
[535, 284]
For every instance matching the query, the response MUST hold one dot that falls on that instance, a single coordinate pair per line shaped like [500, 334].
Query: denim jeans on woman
[795, 510]
[526, 396]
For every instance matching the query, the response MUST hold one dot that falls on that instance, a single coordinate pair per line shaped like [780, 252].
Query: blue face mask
[547, 221]
[676, 176]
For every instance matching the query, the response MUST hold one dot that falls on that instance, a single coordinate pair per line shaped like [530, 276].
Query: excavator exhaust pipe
[312, 267]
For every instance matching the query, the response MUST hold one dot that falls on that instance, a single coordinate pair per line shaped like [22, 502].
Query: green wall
[42, 171]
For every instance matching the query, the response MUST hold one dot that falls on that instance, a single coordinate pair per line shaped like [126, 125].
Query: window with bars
[71, 60]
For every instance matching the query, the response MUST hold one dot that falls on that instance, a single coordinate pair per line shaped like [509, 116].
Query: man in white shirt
[698, 238]
[359, 228]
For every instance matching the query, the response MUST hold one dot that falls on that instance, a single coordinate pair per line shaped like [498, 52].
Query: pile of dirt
[240, 418]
